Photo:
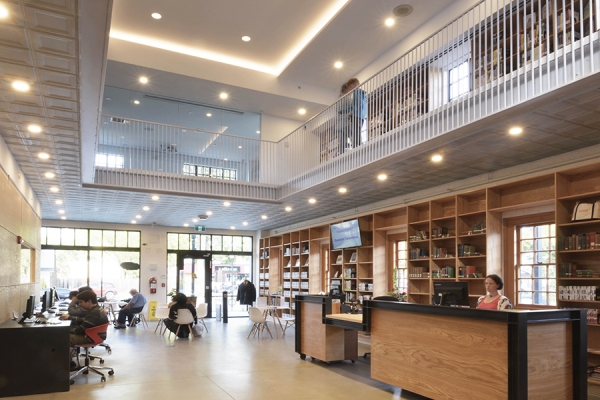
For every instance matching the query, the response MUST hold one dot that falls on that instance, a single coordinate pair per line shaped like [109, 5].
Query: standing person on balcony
[358, 111]
[344, 107]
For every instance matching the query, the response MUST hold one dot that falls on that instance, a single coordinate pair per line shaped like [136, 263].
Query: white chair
[141, 316]
[260, 322]
[289, 321]
[261, 302]
[201, 312]
[162, 312]
[184, 317]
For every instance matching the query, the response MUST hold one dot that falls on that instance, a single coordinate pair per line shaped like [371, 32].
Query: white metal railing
[514, 51]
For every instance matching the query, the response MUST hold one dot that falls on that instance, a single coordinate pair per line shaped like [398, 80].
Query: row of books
[297, 264]
[579, 241]
[263, 275]
[592, 316]
[442, 232]
[583, 293]
[417, 253]
[365, 287]
[418, 272]
[466, 250]
[295, 251]
[419, 235]
[572, 270]
[440, 252]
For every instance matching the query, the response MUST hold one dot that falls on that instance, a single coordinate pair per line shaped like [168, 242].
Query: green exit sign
[200, 228]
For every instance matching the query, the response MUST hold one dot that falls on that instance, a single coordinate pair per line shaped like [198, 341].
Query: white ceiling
[41, 43]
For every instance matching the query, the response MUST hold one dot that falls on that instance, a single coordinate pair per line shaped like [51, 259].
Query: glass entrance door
[194, 277]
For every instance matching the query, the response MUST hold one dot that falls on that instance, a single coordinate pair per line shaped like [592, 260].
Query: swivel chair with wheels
[92, 333]
[381, 298]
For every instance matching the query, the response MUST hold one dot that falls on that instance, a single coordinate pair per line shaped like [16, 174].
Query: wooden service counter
[455, 353]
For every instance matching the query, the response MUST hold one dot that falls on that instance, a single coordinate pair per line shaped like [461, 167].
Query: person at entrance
[493, 300]
[135, 305]
[246, 293]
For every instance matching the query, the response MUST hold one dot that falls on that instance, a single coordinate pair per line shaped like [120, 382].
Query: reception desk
[462, 353]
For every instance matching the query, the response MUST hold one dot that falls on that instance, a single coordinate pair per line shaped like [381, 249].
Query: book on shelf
[297, 263]
[579, 241]
[289, 264]
[340, 259]
[419, 235]
[353, 257]
[417, 253]
[337, 274]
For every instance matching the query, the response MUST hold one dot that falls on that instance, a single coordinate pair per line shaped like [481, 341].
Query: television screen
[345, 234]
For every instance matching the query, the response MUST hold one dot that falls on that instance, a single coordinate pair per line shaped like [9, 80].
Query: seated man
[95, 316]
[135, 305]
[74, 309]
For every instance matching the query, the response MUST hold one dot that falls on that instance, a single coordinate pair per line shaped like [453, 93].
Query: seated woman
[179, 303]
[493, 300]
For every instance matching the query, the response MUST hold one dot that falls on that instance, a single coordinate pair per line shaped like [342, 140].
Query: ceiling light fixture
[20, 86]
[342, 190]
[312, 200]
[133, 221]
[156, 16]
[264, 217]
[246, 38]
[389, 22]
[49, 175]
[302, 111]
[257, 131]
[239, 147]
[223, 95]
[338, 64]
[186, 225]
[224, 159]
[44, 156]
[232, 228]
[208, 114]
[54, 189]
[288, 209]
[138, 216]
[63, 217]
[143, 79]
[517, 130]
[194, 220]
[61, 211]
[437, 158]
[209, 213]
[245, 223]
[382, 177]
[136, 102]
[34, 128]
[146, 208]
[226, 204]
[3, 12]
[59, 202]
[155, 198]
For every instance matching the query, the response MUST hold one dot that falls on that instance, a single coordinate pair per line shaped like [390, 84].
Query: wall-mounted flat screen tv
[345, 234]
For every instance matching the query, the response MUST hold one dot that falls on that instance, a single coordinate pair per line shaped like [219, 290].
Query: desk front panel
[442, 357]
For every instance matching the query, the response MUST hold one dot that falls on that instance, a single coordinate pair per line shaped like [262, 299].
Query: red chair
[92, 333]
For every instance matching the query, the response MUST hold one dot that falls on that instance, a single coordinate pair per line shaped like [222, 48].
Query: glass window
[120, 239]
[217, 242]
[536, 276]
[402, 266]
[459, 80]
[81, 237]
[108, 238]
[205, 242]
[95, 238]
[227, 243]
[247, 243]
[43, 236]
[172, 241]
[109, 160]
[184, 241]
[67, 237]
[134, 239]
[53, 236]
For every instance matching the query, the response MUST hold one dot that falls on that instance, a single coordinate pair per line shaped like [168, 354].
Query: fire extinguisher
[153, 285]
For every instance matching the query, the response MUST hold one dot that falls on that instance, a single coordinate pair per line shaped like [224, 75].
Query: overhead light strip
[192, 103]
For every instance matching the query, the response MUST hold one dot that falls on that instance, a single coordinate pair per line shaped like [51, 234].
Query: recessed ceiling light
[186, 224]
[382, 177]
[133, 221]
[54, 189]
[3, 12]
[342, 190]
[156, 16]
[107, 98]
[209, 213]
[20, 86]
[194, 220]
[302, 111]
[223, 95]
[264, 217]
[136, 102]
[34, 128]
[257, 131]
[143, 79]
[338, 64]
[517, 130]
[138, 216]
[224, 159]
[59, 202]
[233, 228]
[145, 208]
[208, 114]
[312, 200]
[63, 217]
[226, 204]
[245, 223]
[437, 158]
[44, 156]
[246, 38]
[239, 147]
[389, 22]
[61, 211]
[49, 175]
[155, 198]
[288, 209]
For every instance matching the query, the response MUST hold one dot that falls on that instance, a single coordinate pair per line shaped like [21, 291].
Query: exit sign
[200, 228]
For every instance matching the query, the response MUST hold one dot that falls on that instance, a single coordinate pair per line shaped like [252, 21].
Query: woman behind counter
[493, 300]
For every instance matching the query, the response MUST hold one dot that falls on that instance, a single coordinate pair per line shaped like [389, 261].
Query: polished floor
[223, 364]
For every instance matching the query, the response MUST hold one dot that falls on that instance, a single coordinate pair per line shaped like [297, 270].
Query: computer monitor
[29, 309]
[451, 293]
[44, 300]
[51, 298]
[336, 292]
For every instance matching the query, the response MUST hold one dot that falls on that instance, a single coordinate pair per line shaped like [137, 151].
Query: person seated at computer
[135, 305]
[180, 302]
[494, 300]
[94, 316]
[74, 309]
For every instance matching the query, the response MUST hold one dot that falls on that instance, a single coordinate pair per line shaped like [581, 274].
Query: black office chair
[381, 298]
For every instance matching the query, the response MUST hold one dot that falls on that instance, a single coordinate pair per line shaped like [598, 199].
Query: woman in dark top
[180, 302]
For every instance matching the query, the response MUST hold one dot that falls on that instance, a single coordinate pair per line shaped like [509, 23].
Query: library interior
[383, 199]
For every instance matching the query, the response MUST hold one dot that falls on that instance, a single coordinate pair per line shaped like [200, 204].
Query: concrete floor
[223, 364]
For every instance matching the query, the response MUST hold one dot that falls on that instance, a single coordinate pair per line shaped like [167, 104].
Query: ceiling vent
[171, 148]
[403, 10]
[202, 216]
[118, 120]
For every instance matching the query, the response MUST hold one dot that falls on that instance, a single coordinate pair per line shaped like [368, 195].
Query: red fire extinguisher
[153, 285]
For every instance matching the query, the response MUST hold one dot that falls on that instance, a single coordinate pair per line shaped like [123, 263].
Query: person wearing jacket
[95, 316]
[180, 302]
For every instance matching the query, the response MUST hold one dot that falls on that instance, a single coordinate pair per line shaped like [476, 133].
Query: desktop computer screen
[451, 293]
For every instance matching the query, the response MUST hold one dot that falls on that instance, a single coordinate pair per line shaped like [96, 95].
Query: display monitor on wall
[451, 293]
[345, 235]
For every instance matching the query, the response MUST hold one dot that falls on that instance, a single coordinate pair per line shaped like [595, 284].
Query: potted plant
[396, 292]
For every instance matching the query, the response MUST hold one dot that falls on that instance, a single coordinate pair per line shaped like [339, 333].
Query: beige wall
[17, 218]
